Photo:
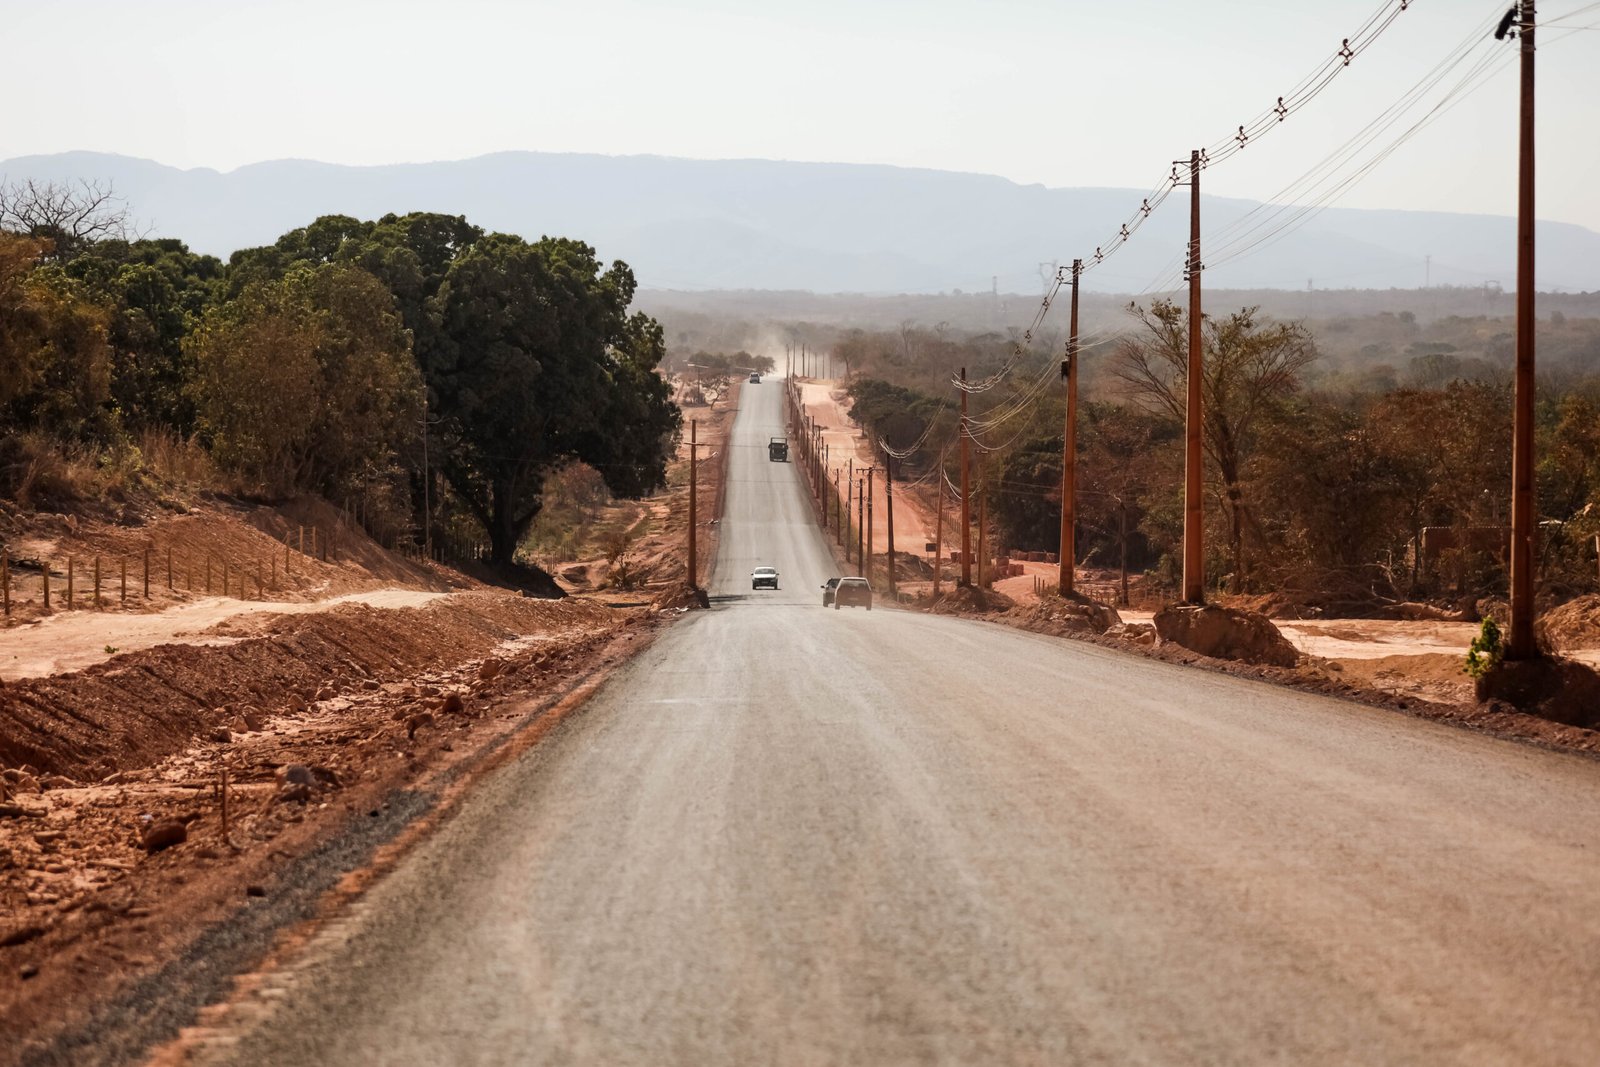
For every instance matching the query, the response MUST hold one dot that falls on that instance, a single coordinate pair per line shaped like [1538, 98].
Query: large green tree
[535, 361]
[307, 383]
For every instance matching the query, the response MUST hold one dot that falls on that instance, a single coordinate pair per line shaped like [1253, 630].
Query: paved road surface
[789, 835]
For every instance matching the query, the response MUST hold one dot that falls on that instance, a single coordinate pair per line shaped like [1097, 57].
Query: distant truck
[778, 450]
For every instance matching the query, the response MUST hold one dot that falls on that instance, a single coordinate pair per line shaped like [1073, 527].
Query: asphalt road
[789, 835]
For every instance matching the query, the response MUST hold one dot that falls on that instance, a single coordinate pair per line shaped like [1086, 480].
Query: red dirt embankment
[140, 706]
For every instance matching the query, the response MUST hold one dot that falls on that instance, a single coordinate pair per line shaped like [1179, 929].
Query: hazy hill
[755, 224]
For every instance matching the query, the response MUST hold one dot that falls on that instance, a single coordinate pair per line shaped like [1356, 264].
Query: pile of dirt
[1573, 625]
[680, 596]
[963, 600]
[1225, 633]
[103, 886]
[137, 707]
[1561, 690]
[1058, 616]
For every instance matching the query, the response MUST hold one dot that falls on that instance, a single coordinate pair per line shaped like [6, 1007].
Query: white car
[764, 576]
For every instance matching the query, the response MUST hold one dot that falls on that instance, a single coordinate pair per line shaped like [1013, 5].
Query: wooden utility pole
[966, 490]
[849, 504]
[866, 566]
[938, 531]
[694, 447]
[1520, 643]
[1193, 503]
[1069, 448]
[888, 509]
[983, 519]
[861, 523]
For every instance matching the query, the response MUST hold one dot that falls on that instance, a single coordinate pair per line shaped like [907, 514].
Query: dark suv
[852, 591]
[827, 591]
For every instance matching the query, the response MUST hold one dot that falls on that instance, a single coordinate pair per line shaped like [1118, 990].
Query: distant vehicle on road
[852, 591]
[828, 591]
[755, 378]
[778, 449]
[764, 576]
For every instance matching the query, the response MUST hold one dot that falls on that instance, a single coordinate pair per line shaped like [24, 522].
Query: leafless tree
[70, 215]
[1249, 366]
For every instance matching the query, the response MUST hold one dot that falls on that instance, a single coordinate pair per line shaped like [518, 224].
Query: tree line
[1319, 484]
[346, 356]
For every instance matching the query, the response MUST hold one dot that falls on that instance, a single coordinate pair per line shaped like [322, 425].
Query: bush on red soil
[1560, 690]
[1225, 633]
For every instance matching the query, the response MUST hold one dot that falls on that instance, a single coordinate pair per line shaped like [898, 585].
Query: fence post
[97, 581]
[5, 577]
[147, 573]
[47, 585]
[302, 540]
[260, 588]
[169, 567]
[225, 576]
[274, 571]
[71, 568]
[123, 594]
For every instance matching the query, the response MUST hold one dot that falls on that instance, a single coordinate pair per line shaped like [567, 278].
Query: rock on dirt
[164, 833]
[452, 704]
[490, 670]
[298, 783]
[1225, 633]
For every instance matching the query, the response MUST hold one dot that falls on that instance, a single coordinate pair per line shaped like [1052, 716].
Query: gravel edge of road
[1493, 719]
[147, 1019]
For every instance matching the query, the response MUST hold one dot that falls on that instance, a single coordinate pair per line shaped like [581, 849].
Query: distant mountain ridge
[825, 227]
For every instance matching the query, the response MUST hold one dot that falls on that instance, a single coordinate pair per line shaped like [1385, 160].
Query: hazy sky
[1060, 92]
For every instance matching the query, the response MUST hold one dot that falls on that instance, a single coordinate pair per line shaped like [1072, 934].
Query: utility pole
[849, 501]
[888, 508]
[983, 518]
[1193, 503]
[938, 531]
[966, 490]
[693, 518]
[866, 567]
[1069, 448]
[861, 523]
[1521, 643]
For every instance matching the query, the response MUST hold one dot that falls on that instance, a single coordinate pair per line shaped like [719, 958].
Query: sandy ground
[70, 641]
[913, 522]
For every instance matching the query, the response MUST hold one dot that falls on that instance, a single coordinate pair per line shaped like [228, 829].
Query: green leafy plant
[1485, 651]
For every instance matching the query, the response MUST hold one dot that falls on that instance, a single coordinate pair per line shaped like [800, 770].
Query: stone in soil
[164, 833]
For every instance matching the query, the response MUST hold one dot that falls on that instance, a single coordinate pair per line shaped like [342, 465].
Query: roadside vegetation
[412, 370]
[1351, 463]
